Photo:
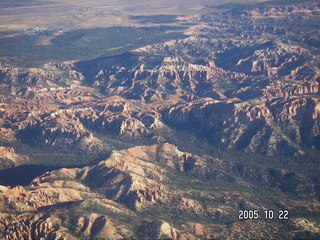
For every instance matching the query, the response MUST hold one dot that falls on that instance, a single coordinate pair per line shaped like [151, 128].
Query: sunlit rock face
[170, 140]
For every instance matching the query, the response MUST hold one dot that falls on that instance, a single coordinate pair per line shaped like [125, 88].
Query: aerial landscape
[174, 120]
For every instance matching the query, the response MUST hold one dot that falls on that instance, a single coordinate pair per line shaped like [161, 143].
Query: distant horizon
[159, 120]
[70, 14]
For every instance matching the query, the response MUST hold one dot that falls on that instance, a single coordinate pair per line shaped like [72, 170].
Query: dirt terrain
[70, 14]
[169, 138]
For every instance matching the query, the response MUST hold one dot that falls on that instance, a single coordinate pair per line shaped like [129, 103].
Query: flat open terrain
[167, 119]
[75, 14]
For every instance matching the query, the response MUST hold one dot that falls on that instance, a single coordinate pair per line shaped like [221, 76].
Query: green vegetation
[155, 18]
[241, 6]
[199, 141]
[26, 50]
[117, 143]
[149, 230]
[58, 156]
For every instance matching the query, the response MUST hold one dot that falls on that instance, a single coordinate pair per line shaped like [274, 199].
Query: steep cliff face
[30, 226]
[241, 91]
[147, 78]
[8, 157]
[278, 127]
[132, 184]
[237, 58]
[305, 9]
[41, 226]
[286, 90]
[39, 77]
[134, 177]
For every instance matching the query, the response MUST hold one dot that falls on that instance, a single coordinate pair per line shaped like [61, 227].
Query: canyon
[172, 139]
